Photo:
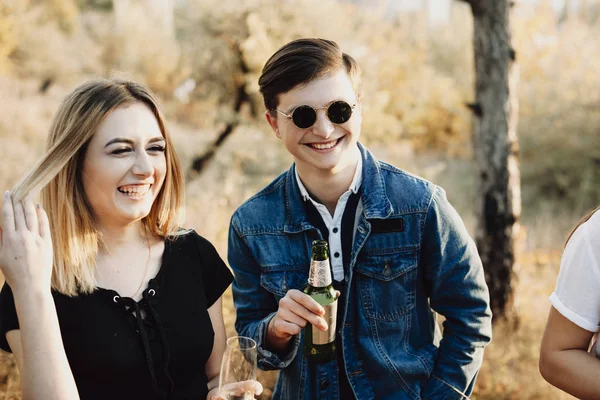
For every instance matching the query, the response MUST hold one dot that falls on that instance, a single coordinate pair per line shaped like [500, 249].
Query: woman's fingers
[8, 215]
[239, 388]
[31, 215]
[19, 213]
[44, 224]
[258, 388]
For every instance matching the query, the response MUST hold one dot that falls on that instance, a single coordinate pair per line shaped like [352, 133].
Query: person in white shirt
[566, 360]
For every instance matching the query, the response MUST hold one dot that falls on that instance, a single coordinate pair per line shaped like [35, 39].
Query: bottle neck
[320, 273]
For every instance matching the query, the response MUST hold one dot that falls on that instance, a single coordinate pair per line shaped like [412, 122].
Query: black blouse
[115, 354]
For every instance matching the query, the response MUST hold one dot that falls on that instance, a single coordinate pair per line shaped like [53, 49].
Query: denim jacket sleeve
[254, 305]
[459, 293]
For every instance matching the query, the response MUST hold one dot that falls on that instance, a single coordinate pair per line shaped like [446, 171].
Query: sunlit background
[203, 59]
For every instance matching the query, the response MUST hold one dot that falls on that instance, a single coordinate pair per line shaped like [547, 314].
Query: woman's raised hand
[236, 390]
[25, 245]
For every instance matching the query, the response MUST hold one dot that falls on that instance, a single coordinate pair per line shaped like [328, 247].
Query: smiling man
[399, 251]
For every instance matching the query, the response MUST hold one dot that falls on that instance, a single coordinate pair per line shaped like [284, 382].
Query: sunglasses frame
[290, 115]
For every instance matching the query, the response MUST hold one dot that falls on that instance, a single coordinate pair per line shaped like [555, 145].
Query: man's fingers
[8, 215]
[305, 300]
[290, 304]
[31, 216]
[43, 222]
[290, 316]
[286, 327]
[309, 316]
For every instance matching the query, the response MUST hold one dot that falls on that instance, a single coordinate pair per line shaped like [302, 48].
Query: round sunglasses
[305, 116]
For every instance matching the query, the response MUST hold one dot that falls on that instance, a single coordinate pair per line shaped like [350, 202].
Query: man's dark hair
[299, 62]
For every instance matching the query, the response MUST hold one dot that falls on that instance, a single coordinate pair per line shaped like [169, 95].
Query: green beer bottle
[319, 346]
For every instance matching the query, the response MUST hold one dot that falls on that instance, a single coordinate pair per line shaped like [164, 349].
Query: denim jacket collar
[296, 220]
[376, 205]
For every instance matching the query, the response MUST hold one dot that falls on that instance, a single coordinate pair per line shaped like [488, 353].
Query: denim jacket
[411, 257]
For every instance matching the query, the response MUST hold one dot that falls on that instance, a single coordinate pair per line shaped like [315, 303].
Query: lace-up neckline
[147, 304]
[145, 316]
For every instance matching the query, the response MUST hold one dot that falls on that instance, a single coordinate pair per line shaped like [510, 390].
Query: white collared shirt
[334, 223]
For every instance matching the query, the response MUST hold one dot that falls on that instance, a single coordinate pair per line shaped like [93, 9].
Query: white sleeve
[577, 293]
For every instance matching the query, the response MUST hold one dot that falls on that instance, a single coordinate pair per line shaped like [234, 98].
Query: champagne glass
[238, 369]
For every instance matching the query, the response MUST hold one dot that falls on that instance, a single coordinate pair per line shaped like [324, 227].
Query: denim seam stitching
[451, 387]
[302, 378]
[369, 306]
[423, 221]
[451, 269]
[407, 347]
[391, 366]
[256, 232]
[392, 250]
[406, 211]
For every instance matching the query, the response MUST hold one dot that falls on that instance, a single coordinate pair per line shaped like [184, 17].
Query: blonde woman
[575, 315]
[105, 296]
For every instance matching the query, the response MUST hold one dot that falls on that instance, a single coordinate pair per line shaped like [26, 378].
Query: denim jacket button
[324, 384]
[362, 230]
[387, 271]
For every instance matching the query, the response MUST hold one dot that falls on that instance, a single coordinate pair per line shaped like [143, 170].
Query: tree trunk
[496, 148]
[242, 97]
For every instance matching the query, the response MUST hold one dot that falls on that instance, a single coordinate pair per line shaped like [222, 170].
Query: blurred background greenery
[203, 59]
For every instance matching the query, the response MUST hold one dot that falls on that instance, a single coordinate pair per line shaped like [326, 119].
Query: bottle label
[320, 274]
[330, 316]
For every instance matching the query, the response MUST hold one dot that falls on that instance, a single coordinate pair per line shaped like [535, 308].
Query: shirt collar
[354, 185]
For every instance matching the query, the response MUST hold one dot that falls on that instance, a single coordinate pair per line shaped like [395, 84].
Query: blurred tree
[138, 23]
[8, 36]
[96, 4]
[241, 97]
[496, 147]
[157, 12]
[559, 113]
[64, 12]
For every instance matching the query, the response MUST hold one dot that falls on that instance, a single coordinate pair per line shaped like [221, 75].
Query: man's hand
[296, 309]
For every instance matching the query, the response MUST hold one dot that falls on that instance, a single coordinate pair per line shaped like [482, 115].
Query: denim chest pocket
[387, 284]
[279, 280]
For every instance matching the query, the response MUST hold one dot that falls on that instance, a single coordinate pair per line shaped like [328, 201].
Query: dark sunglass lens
[304, 117]
[339, 112]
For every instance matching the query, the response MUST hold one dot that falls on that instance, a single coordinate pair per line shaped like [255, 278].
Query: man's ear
[272, 120]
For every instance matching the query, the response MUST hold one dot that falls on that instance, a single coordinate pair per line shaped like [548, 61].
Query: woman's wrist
[213, 383]
[33, 296]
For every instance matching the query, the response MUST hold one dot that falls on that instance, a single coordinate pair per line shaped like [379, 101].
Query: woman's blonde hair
[583, 220]
[74, 234]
